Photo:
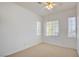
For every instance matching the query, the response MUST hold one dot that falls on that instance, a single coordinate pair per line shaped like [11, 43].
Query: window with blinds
[72, 27]
[38, 28]
[52, 28]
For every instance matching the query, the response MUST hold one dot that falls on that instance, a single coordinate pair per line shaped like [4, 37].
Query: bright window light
[72, 27]
[52, 28]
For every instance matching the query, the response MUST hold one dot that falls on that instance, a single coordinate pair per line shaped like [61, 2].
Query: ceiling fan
[48, 5]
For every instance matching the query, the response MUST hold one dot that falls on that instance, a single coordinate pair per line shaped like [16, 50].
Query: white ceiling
[40, 10]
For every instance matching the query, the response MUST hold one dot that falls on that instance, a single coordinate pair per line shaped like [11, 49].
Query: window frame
[69, 34]
[53, 30]
[38, 28]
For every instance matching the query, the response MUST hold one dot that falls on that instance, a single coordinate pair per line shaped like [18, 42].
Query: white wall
[62, 40]
[17, 28]
[78, 28]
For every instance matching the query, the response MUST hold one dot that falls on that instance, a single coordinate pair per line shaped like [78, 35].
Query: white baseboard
[29, 46]
[59, 45]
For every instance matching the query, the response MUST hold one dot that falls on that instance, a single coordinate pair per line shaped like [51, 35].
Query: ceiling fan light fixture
[50, 5]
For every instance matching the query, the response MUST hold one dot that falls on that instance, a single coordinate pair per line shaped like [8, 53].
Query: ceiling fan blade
[39, 2]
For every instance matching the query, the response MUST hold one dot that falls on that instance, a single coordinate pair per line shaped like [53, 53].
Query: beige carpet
[46, 50]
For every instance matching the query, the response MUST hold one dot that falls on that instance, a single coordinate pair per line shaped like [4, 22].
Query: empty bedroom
[39, 29]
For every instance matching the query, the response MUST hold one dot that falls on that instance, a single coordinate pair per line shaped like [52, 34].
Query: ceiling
[40, 10]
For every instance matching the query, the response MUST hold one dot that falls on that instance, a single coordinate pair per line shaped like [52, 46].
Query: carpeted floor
[46, 50]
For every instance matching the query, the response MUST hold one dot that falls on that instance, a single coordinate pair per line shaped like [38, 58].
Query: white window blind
[38, 28]
[52, 28]
[72, 27]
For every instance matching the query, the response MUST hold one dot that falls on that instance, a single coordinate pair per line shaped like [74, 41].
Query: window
[38, 28]
[52, 28]
[72, 27]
